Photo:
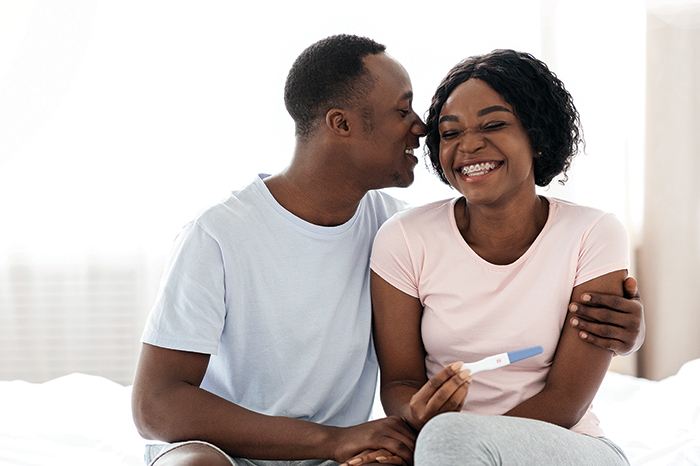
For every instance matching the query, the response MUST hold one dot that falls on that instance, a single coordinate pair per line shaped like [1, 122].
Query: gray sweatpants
[470, 439]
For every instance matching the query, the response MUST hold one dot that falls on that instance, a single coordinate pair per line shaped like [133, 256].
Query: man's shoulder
[235, 208]
[386, 201]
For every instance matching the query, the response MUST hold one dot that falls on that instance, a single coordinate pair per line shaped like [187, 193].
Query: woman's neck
[502, 234]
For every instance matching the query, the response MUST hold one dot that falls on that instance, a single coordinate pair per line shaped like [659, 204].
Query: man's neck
[314, 196]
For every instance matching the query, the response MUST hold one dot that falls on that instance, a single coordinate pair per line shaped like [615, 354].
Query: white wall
[120, 120]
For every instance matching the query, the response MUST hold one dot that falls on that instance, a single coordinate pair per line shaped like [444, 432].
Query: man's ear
[337, 122]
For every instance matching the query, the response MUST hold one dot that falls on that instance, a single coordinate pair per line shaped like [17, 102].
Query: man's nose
[419, 128]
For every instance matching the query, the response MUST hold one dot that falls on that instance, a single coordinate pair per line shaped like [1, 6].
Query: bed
[85, 420]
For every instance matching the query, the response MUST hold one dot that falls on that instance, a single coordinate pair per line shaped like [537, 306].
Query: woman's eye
[448, 134]
[494, 126]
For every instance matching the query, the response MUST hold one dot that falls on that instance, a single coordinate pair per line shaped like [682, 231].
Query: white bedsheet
[86, 420]
[655, 423]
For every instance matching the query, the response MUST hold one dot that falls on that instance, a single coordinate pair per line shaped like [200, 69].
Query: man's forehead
[391, 76]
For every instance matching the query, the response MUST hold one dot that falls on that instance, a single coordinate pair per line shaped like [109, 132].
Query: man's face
[385, 151]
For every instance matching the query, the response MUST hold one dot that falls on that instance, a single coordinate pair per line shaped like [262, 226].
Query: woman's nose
[470, 142]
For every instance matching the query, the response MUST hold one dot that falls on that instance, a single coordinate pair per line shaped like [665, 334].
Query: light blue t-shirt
[282, 305]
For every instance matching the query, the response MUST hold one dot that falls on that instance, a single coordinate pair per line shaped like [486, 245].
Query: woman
[461, 279]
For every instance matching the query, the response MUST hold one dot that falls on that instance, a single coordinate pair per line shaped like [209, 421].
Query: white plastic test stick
[500, 360]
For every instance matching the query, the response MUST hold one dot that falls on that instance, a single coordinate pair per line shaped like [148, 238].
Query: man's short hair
[329, 74]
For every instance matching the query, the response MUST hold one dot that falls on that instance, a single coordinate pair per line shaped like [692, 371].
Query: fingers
[393, 435]
[630, 288]
[611, 302]
[442, 393]
[450, 396]
[630, 320]
[616, 339]
[615, 329]
[619, 347]
[602, 315]
[374, 456]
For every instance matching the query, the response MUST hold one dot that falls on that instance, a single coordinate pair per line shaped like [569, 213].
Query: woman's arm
[578, 367]
[405, 390]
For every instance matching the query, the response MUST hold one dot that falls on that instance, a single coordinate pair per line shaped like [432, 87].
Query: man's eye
[405, 113]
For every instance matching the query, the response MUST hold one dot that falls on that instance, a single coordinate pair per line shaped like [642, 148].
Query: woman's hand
[443, 393]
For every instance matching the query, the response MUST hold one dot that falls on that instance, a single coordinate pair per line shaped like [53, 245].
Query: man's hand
[611, 322]
[375, 457]
[389, 438]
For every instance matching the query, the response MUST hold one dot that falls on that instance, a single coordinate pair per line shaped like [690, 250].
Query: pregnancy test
[500, 360]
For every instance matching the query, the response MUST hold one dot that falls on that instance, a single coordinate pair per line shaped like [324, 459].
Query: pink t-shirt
[474, 309]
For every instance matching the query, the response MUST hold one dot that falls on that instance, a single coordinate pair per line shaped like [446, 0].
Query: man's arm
[609, 321]
[169, 405]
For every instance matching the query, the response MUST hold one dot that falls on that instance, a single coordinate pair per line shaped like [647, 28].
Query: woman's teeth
[408, 151]
[478, 169]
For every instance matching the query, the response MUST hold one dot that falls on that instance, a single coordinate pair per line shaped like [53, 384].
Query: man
[259, 343]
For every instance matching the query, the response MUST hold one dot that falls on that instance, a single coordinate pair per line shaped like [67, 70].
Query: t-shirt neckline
[299, 222]
[519, 260]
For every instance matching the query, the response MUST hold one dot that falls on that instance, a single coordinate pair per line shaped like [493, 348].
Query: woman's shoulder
[568, 209]
[585, 218]
[417, 221]
[423, 212]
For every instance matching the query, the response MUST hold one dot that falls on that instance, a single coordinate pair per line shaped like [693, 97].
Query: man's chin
[403, 181]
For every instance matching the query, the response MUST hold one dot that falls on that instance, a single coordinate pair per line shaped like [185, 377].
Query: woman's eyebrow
[448, 118]
[493, 108]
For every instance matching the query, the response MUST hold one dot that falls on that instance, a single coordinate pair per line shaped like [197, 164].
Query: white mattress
[86, 420]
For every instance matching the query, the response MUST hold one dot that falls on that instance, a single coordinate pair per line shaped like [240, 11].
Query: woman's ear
[337, 122]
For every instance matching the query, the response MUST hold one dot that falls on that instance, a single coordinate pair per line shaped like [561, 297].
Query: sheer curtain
[120, 121]
[669, 256]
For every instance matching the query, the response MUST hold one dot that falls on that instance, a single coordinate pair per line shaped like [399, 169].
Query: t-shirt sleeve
[604, 249]
[189, 312]
[391, 258]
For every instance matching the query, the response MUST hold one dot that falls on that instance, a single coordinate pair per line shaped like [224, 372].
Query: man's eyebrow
[407, 96]
[494, 108]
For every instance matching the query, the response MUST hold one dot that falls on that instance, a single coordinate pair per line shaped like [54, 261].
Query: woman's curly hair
[545, 108]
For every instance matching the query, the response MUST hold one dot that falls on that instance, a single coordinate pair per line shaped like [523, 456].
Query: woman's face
[485, 152]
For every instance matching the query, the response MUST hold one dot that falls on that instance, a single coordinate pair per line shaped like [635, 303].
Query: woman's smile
[483, 146]
[477, 171]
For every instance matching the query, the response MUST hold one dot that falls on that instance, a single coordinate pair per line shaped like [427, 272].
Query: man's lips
[409, 154]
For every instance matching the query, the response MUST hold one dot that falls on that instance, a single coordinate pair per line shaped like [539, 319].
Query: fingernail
[464, 374]
[574, 322]
[381, 458]
[355, 461]
[586, 297]
[584, 335]
[456, 366]
[573, 308]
